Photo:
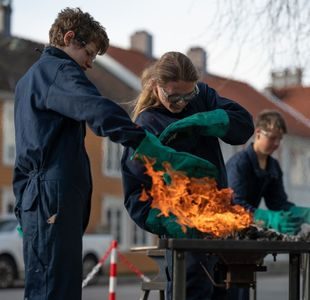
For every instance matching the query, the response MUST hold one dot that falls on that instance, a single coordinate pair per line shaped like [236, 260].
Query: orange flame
[196, 202]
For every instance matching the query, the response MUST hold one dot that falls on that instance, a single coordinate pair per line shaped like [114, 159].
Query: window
[123, 229]
[139, 236]
[112, 154]
[8, 155]
[229, 150]
[8, 202]
[112, 217]
[300, 166]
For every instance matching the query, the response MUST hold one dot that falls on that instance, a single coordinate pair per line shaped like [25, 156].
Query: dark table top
[220, 246]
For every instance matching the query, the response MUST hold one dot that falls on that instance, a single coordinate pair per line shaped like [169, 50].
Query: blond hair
[172, 66]
[84, 26]
[270, 119]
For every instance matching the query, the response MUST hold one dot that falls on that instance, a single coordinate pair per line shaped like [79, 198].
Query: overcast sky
[174, 24]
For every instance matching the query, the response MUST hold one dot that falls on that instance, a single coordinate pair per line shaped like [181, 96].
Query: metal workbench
[179, 247]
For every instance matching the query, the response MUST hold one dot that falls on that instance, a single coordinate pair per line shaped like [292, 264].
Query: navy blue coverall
[250, 183]
[52, 181]
[156, 120]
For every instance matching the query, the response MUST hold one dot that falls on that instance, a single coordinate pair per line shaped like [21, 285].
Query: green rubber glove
[281, 221]
[20, 231]
[302, 212]
[194, 166]
[168, 226]
[211, 123]
[154, 222]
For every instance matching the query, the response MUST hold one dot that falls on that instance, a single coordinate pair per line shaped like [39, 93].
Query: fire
[196, 202]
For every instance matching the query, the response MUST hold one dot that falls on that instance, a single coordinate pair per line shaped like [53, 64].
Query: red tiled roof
[18, 54]
[136, 62]
[297, 97]
[255, 101]
[133, 60]
[247, 96]
[241, 92]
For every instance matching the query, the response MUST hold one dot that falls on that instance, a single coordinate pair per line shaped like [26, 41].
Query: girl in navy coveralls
[171, 92]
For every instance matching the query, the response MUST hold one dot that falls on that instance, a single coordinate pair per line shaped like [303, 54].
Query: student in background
[254, 174]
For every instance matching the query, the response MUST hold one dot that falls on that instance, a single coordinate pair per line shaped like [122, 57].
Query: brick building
[116, 76]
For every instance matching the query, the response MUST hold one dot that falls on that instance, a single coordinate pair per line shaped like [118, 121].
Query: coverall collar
[253, 158]
[51, 50]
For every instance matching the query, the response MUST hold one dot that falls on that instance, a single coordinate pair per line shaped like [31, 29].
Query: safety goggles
[271, 136]
[89, 52]
[174, 99]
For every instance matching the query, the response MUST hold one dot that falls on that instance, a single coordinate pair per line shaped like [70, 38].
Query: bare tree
[280, 27]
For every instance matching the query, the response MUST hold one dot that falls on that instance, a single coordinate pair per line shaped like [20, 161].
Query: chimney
[286, 78]
[5, 17]
[199, 58]
[142, 41]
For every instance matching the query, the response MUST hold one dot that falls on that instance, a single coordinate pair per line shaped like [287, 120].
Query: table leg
[294, 277]
[179, 276]
[305, 276]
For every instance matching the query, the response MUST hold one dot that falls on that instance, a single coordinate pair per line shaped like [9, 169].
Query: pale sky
[174, 24]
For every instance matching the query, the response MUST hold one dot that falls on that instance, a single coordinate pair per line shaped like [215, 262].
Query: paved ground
[271, 285]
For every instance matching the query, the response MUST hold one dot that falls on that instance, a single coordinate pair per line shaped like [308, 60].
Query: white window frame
[111, 162]
[122, 228]
[299, 166]
[8, 202]
[228, 150]
[8, 153]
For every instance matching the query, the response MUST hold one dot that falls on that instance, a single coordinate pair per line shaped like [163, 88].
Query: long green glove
[281, 221]
[168, 226]
[302, 212]
[194, 166]
[211, 123]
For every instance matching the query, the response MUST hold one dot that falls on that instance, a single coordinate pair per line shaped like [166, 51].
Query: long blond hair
[172, 66]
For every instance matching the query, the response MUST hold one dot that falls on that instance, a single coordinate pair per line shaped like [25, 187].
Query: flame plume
[196, 202]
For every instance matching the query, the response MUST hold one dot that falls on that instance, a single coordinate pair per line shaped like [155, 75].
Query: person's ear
[68, 37]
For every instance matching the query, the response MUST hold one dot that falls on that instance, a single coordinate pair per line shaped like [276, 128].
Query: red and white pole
[113, 271]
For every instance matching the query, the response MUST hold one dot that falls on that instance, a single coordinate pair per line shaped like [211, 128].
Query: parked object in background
[11, 256]
[94, 246]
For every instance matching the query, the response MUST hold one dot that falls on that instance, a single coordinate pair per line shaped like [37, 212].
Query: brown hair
[84, 26]
[172, 66]
[270, 119]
